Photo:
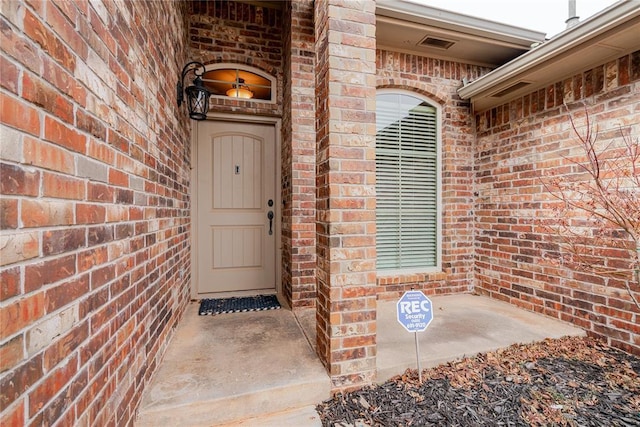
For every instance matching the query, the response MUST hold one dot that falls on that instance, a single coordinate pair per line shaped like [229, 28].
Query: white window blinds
[406, 182]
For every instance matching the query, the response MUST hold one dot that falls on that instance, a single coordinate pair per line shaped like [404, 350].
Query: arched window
[408, 212]
[235, 81]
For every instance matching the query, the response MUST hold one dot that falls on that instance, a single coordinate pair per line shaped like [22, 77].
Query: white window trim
[438, 267]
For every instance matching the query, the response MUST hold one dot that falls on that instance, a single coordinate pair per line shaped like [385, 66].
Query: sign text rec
[414, 311]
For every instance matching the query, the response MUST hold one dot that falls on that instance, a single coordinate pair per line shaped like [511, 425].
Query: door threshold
[231, 294]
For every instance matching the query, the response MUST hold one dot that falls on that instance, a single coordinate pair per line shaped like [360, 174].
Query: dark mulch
[564, 382]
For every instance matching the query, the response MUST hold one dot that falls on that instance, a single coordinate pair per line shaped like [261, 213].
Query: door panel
[237, 247]
[236, 179]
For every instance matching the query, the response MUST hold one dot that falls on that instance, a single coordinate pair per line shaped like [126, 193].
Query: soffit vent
[510, 89]
[437, 43]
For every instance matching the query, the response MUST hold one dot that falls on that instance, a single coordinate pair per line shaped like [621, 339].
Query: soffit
[403, 26]
[602, 38]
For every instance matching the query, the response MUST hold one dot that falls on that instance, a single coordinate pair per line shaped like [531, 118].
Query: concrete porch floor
[260, 369]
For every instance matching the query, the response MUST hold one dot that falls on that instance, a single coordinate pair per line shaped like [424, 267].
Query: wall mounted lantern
[240, 90]
[197, 94]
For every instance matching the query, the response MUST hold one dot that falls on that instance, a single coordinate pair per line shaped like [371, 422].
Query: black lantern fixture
[197, 94]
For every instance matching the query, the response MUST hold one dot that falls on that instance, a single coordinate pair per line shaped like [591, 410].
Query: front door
[236, 207]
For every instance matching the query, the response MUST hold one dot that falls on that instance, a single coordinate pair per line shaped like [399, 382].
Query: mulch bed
[564, 382]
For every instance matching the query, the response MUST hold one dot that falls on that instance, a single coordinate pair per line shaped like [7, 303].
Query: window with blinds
[407, 187]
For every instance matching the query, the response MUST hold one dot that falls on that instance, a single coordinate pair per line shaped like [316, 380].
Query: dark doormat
[238, 304]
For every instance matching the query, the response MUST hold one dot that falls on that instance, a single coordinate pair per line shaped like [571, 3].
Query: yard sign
[414, 311]
[415, 314]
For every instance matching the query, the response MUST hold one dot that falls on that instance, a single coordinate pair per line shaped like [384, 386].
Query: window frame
[438, 264]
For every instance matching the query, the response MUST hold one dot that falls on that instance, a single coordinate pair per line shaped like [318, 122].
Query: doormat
[238, 304]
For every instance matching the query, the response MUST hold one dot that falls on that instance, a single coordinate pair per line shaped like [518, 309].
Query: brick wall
[345, 127]
[238, 33]
[299, 158]
[439, 80]
[519, 144]
[94, 253]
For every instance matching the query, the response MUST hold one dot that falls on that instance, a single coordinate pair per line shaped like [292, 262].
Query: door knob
[270, 216]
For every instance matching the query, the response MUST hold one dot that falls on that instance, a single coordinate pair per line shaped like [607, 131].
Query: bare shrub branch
[597, 214]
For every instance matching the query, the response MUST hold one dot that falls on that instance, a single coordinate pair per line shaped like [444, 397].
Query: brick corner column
[303, 160]
[345, 185]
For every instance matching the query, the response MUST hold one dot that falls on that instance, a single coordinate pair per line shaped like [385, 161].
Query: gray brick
[92, 169]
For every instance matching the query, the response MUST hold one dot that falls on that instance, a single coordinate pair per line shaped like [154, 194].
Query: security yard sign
[415, 314]
[414, 311]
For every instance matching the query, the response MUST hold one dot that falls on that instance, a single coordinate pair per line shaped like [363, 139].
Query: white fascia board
[598, 24]
[416, 12]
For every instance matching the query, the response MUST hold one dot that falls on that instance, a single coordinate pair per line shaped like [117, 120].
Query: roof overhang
[603, 37]
[409, 27]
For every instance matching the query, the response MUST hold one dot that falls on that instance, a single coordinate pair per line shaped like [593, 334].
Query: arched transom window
[231, 80]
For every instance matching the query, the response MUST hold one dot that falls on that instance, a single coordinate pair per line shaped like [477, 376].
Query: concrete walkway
[463, 325]
[259, 368]
[229, 367]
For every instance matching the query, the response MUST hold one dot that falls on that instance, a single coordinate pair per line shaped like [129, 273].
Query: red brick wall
[519, 144]
[94, 253]
[299, 158]
[239, 33]
[345, 165]
[438, 80]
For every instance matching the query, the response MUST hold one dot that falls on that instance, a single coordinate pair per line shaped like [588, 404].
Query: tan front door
[236, 240]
